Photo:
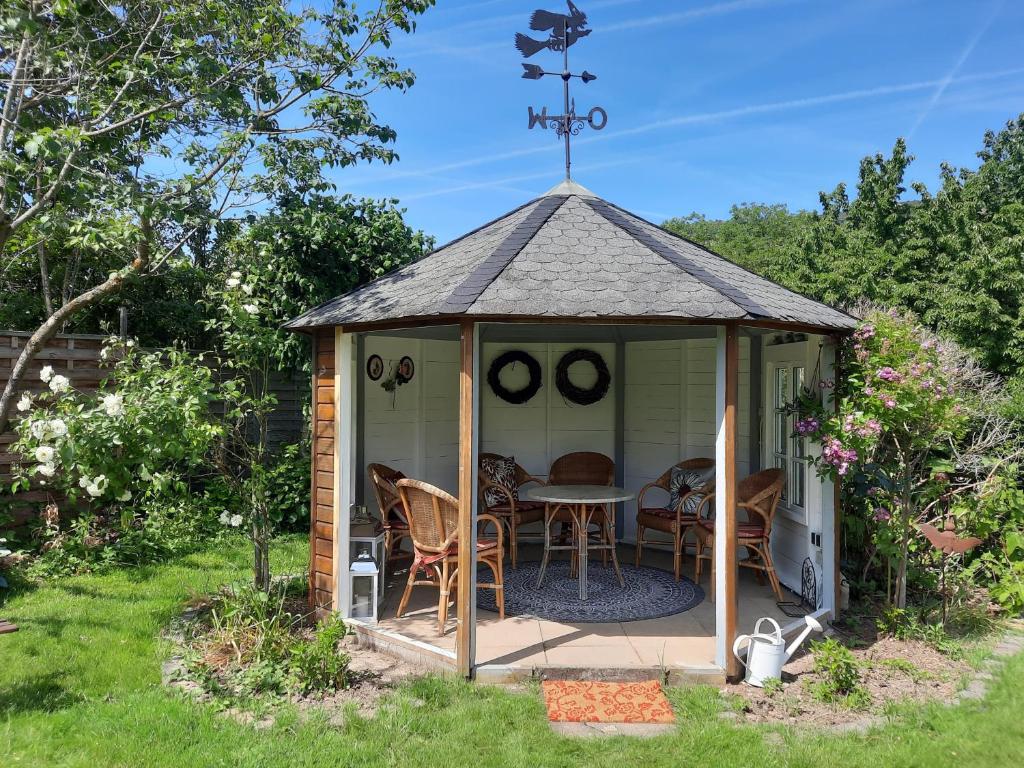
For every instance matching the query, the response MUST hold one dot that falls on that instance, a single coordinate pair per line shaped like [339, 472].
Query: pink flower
[865, 332]
[889, 374]
[807, 425]
[869, 391]
[882, 514]
[889, 402]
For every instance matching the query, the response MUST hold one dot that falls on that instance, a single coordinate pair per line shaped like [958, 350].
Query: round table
[583, 503]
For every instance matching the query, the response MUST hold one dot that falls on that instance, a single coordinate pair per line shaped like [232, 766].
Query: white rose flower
[44, 454]
[252, 309]
[126, 495]
[47, 373]
[94, 490]
[225, 518]
[39, 429]
[57, 427]
[25, 403]
[232, 282]
[84, 482]
[236, 520]
[113, 405]
[59, 384]
[46, 470]
[130, 343]
[248, 289]
[236, 274]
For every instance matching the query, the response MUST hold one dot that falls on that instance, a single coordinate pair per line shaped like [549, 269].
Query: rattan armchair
[392, 515]
[512, 512]
[433, 517]
[579, 468]
[674, 521]
[759, 495]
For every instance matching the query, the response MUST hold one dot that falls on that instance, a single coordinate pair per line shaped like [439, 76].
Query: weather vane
[563, 29]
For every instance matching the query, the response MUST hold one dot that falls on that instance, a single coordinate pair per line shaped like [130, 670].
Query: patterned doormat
[573, 701]
[649, 593]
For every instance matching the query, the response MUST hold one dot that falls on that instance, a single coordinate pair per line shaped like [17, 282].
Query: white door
[785, 373]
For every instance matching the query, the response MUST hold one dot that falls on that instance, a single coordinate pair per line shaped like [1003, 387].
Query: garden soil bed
[371, 675]
[892, 671]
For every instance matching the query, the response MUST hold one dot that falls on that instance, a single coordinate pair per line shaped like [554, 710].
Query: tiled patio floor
[684, 640]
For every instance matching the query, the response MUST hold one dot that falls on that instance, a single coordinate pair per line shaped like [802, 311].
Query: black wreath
[576, 394]
[522, 395]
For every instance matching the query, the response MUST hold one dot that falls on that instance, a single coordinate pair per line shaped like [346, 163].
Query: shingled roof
[570, 254]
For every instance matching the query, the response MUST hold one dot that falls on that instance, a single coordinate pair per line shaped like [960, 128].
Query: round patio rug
[649, 593]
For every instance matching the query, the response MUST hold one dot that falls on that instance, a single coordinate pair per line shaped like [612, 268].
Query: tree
[310, 249]
[955, 257]
[126, 129]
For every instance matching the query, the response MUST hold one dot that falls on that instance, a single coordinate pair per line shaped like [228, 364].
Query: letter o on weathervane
[597, 112]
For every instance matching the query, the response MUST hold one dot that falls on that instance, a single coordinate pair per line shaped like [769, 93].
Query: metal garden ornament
[564, 30]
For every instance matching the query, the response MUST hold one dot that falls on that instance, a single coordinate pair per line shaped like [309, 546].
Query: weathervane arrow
[564, 30]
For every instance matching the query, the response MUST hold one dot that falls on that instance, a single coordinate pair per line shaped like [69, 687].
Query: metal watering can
[766, 653]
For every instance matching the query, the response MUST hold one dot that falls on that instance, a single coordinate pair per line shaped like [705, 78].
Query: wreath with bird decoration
[578, 395]
[519, 396]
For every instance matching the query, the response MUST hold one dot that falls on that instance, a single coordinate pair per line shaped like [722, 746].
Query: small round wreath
[576, 394]
[520, 396]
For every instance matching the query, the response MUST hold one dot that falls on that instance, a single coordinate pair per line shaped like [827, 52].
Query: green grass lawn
[80, 686]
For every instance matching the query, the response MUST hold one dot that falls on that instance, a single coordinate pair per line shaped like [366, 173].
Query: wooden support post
[345, 471]
[726, 567]
[465, 638]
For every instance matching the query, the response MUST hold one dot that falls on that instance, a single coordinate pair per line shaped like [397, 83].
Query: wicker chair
[579, 468]
[675, 522]
[511, 512]
[759, 494]
[433, 517]
[392, 515]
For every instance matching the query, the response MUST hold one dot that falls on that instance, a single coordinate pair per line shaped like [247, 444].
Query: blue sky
[709, 103]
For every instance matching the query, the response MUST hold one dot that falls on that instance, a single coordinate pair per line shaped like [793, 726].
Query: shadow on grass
[41, 693]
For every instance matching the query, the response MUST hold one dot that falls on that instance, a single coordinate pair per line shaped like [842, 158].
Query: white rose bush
[129, 440]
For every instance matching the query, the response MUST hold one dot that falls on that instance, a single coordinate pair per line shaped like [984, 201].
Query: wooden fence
[77, 356]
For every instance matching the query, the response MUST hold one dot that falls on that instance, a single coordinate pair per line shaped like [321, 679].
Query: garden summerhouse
[570, 327]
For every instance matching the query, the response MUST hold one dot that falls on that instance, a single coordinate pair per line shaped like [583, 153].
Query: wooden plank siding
[321, 531]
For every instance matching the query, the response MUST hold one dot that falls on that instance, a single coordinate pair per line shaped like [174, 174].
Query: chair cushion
[667, 514]
[743, 530]
[500, 471]
[521, 506]
[482, 545]
[682, 482]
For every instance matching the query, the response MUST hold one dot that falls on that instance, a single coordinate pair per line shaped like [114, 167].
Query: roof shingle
[570, 254]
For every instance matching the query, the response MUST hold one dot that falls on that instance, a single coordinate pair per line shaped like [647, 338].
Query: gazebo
[704, 359]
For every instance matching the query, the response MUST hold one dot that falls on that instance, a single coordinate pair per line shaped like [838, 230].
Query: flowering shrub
[130, 440]
[252, 347]
[914, 429]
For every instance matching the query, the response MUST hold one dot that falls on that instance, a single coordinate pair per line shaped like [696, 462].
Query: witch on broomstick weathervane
[563, 29]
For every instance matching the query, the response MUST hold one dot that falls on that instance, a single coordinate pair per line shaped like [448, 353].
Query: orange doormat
[571, 701]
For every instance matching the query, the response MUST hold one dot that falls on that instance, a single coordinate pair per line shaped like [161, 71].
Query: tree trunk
[51, 327]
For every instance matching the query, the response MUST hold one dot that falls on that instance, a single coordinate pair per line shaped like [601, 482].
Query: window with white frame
[785, 378]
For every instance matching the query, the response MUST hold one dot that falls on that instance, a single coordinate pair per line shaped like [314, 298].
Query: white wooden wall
[416, 429]
[670, 411]
[548, 426]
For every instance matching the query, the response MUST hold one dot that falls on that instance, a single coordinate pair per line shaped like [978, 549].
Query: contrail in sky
[961, 60]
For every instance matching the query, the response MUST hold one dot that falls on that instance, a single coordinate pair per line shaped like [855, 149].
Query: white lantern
[368, 539]
[363, 579]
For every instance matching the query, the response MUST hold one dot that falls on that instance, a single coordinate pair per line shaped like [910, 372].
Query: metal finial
[564, 29]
